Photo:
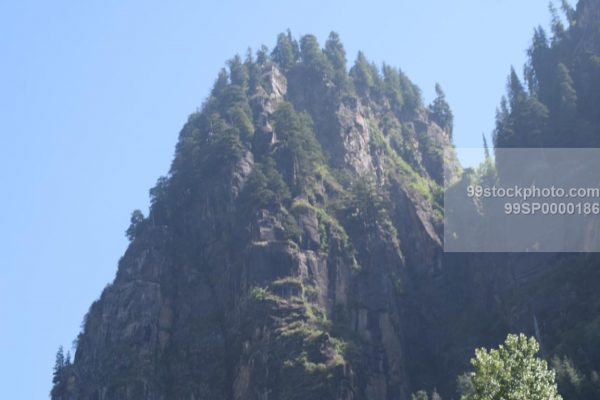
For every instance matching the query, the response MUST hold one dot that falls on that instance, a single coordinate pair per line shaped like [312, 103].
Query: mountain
[294, 250]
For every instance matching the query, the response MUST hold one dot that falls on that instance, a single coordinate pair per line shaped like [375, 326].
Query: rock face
[222, 295]
[295, 252]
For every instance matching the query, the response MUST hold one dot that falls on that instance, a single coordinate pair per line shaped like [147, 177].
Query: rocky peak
[277, 259]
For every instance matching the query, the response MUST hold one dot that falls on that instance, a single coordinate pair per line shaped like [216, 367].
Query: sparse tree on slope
[440, 112]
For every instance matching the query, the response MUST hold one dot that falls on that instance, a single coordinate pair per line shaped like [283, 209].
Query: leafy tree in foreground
[511, 372]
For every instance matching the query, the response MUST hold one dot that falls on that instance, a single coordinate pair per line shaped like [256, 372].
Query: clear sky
[94, 93]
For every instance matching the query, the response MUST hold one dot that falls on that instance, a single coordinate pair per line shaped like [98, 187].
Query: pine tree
[253, 71]
[503, 133]
[298, 142]
[569, 12]
[335, 53]
[313, 58]
[221, 83]
[59, 364]
[136, 224]
[558, 28]
[486, 171]
[516, 91]
[537, 68]
[486, 148]
[367, 202]
[570, 380]
[334, 50]
[265, 187]
[295, 45]
[410, 92]
[238, 72]
[262, 55]
[393, 88]
[564, 104]
[567, 96]
[283, 53]
[440, 113]
[361, 75]
[531, 123]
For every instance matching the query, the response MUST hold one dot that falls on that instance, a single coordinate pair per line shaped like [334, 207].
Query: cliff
[294, 251]
[282, 253]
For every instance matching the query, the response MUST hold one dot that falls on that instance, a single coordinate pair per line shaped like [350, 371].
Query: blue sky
[93, 95]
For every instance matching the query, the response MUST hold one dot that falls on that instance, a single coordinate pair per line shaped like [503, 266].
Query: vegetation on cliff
[294, 249]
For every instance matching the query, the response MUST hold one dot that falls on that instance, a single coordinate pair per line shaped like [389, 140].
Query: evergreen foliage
[522, 119]
[220, 83]
[59, 364]
[289, 177]
[238, 72]
[367, 204]
[335, 53]
[137, 221]
[262, 55]
[411, 93]
[486, 147]
[250, 178]
[285, 53]
[422, 395]
[362, 75]
[563, 85]
[334, 50]
[574, 383]
[439, 111]
[265, 187]
[313, 59]
[59, 375]
[393, 87]
[297, 142]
